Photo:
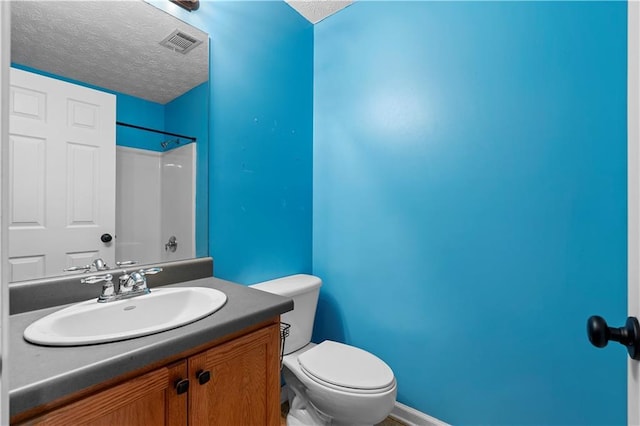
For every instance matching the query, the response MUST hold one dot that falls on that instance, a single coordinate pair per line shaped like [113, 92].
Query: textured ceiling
[111, 44]
[316, 10]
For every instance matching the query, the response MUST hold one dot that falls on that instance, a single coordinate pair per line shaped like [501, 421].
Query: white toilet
[330, 383]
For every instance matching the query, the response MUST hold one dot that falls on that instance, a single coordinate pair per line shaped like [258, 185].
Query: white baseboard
[412, 417]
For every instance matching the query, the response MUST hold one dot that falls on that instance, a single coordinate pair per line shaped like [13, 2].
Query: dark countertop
[42, 374]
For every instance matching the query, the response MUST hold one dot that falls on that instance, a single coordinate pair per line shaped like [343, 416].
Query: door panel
[62, 175]
[27, 169]
[26, 268]
[83, 163]
[242, 387]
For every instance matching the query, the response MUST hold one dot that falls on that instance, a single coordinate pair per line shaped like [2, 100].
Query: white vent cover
[180, 41]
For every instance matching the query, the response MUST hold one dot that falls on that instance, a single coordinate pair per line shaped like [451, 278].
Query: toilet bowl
[330, 382]
[362, 396]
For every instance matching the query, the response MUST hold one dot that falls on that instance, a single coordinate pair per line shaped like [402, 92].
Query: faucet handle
[85, 268]
[150, 271]
[97, 279]
[126, 263]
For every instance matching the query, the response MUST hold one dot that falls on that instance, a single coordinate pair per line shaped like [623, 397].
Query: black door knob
[106, 238]
[600, 334]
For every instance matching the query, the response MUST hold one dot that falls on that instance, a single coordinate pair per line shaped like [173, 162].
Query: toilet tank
[304, 290]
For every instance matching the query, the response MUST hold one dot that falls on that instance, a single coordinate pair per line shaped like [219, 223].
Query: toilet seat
[346, 368]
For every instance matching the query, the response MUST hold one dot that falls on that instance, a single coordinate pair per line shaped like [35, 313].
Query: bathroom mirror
[156, 67]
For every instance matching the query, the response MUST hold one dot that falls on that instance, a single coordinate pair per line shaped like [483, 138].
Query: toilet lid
[346, 366]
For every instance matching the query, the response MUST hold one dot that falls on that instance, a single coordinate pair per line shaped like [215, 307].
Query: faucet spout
[108, 290]
[132, 282]
[99, 265]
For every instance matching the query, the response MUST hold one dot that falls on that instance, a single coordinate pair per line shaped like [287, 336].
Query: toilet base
[302, 413]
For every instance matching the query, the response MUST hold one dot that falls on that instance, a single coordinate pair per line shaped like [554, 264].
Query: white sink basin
[92, 322]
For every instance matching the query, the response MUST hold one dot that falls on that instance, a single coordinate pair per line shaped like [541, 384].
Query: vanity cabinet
[236, 382]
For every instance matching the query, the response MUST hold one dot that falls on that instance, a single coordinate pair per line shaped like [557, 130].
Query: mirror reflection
[108, 137]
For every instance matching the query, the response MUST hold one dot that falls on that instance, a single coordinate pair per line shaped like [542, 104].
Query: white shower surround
[155, 198]
[178, 201]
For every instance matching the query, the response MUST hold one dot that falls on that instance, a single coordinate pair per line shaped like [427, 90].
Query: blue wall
[261, 120]
[139, 112]
[469, 202]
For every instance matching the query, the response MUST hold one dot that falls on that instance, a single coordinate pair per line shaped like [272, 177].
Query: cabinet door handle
[203, 376]
[181, 385]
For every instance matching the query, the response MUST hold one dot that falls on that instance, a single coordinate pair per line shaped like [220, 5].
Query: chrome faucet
[129, 285]
[136, 282]
[98, 265]
[108, 290]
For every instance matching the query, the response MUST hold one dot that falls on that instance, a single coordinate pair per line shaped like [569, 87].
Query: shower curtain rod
[120, 123]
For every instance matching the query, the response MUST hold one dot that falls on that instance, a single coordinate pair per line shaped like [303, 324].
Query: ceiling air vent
[179, 41]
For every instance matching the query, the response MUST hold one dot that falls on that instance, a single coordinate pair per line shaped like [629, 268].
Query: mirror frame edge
[5, 61]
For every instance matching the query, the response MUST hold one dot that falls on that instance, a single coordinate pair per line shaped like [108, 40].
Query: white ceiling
[316, 10]
[111, 44]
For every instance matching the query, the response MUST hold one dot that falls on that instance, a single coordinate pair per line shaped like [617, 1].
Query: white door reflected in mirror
[62, 175]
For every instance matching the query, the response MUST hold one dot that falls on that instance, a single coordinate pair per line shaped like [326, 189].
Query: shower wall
[137, 203]
[177, 200]
[154, 199]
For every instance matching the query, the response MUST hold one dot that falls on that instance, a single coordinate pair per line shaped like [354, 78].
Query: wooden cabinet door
[150, 399]
[244, 382]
